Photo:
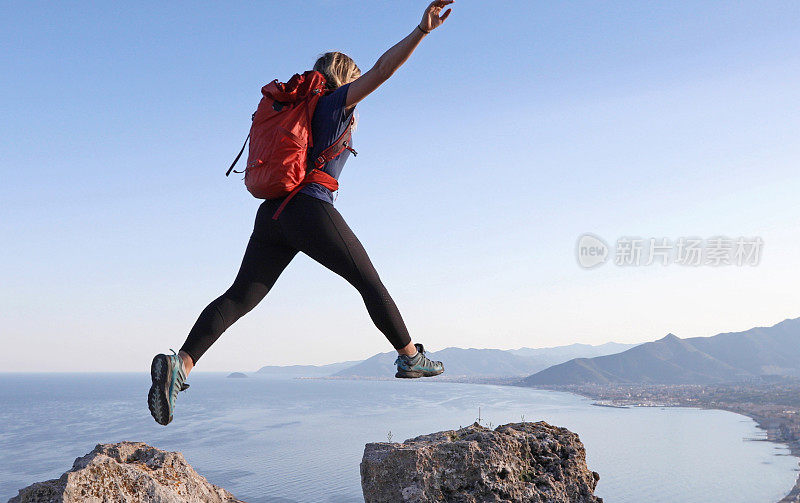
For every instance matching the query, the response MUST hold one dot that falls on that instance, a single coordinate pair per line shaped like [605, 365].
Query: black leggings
[315, 228]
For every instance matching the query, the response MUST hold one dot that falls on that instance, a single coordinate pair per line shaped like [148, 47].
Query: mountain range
[725, 357]
[459, 362]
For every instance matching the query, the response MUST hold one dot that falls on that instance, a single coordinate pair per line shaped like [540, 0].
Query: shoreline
[767, 424]
[772, 436]
[770, 424]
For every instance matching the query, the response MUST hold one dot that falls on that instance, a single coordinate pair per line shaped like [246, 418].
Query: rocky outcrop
[517, 462]
[127, 472]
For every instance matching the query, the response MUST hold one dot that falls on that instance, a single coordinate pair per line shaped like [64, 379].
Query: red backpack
[280, 140]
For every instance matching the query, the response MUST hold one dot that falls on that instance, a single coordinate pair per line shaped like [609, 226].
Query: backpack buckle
[351, 149]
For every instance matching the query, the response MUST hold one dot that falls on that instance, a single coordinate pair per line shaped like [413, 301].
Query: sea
[284, 440]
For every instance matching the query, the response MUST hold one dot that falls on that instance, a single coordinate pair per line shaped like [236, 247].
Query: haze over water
[287, 440]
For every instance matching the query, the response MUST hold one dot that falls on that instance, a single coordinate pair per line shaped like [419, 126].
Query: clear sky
[514, 129]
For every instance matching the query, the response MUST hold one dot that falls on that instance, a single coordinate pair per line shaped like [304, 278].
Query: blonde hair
[338, 68]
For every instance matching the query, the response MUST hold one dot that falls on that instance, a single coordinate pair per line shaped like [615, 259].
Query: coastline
[768, 424]
[766, 412]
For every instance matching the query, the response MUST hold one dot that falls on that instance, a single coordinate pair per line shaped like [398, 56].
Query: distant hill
[459, 362]
[576, 350]
[305, 370]
[698, 360]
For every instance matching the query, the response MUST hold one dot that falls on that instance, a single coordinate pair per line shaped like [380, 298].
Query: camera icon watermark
[592, 251]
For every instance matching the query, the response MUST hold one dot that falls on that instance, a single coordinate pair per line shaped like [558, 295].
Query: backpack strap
[313, 176]
[252, 118]
[316, 175]
[341, 143]
[237, 158]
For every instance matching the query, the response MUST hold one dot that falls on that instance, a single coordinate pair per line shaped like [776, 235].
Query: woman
[309, 223]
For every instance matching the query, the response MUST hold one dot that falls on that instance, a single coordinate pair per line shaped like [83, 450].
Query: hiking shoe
[418, 365]
[168, 377]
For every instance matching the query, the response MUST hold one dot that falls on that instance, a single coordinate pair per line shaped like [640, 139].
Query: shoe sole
[413, 374]
[157, 399]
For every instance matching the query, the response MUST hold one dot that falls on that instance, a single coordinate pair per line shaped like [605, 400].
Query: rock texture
[127, 472]
[517, 462]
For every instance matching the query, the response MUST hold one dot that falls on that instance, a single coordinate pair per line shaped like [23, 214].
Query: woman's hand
[431, 19]
[397, 55]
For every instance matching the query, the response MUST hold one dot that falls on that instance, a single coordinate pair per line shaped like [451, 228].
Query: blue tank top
[329, 122]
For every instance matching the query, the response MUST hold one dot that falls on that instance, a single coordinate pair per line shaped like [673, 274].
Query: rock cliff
[517, 462]
[127, 472]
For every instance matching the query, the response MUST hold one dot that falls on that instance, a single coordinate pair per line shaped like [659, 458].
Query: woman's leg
[317, 229]
[266, 256]
[263, 262]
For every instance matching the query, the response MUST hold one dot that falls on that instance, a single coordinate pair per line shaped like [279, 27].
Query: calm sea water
[287, 440]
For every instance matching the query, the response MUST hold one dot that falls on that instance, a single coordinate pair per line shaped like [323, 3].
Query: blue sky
[512, 130]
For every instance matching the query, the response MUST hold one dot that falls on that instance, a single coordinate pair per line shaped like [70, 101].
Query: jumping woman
[310, 224]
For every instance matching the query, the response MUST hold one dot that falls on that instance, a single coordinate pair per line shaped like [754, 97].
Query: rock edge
[127, 472]
[519, 462]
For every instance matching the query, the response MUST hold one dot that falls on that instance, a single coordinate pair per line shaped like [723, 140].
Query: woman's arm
[397, 55]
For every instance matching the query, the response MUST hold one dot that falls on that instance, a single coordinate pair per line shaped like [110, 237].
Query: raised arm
[398, 54]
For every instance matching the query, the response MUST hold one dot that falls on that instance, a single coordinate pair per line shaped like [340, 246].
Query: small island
[237, 375]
